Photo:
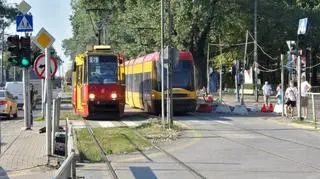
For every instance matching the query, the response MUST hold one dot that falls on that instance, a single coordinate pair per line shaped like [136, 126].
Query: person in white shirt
[291, 95]
[305, 87]
[266, 88]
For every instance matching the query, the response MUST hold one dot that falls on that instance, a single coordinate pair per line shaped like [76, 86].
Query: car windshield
[102, 69]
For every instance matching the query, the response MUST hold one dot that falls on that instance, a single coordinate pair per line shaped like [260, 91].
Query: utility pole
[299, 85]
[169, 71]
[237, 81]
[244, 65]
[282, 86]
[220, 84]
[2, 53]
[208, 75]
[255, 57]
[162, 70]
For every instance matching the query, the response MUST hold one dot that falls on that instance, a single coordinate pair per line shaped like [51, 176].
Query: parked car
[8, 106]
[16, 89]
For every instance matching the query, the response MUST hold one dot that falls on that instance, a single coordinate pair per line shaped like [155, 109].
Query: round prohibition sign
[40, 64]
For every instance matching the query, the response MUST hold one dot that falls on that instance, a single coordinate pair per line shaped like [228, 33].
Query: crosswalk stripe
[106, 124]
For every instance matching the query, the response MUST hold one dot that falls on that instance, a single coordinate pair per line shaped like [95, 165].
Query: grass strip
[122, 140]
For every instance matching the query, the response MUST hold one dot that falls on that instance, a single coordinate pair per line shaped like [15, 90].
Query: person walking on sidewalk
[279, 94]
[291, 95]
[266, 88]
[305, 87]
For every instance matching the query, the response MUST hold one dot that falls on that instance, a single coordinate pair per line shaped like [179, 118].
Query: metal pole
[162, 70]
[314, 113]
[255, 57]
[299, 87]
[54, 129]
[208, 77]
[244, 65]
[43, 102]
[169, 71]
[29, 98]
[2, 52]
[14, 73]
[25, 98]
[236, 81]
[282, 86]
[48, 101]
[220, 85]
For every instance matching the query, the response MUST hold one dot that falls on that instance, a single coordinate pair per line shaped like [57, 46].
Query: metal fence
[314, 105]
[68, 167]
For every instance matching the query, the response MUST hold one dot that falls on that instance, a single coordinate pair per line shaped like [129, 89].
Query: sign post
[44, 40]
[24, 23]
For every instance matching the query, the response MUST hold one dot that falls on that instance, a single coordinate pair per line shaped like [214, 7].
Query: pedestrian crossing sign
[24, 23]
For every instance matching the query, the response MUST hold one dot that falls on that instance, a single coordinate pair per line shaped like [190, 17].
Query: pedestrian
[279, 94]
[305, 87]
[291, 95]
[266, 89]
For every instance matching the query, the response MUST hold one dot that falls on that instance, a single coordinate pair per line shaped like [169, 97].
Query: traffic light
[301, 47]
[14, 49]
[25, 52]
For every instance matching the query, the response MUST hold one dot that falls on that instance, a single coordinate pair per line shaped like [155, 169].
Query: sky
[53, 15]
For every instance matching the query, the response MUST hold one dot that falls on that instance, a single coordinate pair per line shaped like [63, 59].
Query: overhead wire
[265, 53]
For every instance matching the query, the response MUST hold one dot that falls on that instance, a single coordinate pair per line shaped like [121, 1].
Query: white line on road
[223, 122]
[106, 124]
[130, 124]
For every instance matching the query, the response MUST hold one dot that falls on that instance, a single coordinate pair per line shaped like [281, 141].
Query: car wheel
[8, 115]
[15, 115]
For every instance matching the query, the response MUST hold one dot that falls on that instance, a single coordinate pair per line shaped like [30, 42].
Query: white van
[16, 89]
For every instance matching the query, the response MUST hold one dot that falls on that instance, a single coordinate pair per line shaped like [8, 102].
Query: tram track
[102, 152]
[168, 154]
[262, 149]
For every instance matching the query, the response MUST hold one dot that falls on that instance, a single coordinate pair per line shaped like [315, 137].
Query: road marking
[130, 124]
[106, 124]
[223, 122]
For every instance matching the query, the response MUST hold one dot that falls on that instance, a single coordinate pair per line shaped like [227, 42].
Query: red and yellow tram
[143, 83]
[98, 83]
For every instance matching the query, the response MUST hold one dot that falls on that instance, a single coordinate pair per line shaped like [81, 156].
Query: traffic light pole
[299, 87]
[26, 96]
[26, 99]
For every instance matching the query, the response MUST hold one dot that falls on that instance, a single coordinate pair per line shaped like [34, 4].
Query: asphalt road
[224, 147]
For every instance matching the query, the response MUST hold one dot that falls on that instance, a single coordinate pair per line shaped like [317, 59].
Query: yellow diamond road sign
[43, 39]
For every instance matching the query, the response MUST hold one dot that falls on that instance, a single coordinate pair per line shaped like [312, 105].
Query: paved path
[222, 146]
[21, 149]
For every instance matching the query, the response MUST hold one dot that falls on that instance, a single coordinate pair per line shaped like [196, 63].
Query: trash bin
[60, 143]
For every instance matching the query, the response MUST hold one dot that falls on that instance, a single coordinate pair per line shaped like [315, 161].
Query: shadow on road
[142, 173]
[3, 174]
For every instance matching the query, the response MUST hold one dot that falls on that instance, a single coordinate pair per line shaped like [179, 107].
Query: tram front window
[102, 69]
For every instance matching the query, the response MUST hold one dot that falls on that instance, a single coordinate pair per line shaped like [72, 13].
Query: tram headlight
[114, 95]
[91, 96]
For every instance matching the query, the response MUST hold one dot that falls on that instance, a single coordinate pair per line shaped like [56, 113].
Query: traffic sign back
[24, 23]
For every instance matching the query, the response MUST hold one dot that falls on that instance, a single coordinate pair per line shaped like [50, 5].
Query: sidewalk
[24, 152]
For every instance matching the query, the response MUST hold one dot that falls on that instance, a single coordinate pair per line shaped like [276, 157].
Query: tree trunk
[200, 68]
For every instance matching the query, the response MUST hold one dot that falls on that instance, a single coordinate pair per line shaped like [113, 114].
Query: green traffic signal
[25, 62]
[14, 61]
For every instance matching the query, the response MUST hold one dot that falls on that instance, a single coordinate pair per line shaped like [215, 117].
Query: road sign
[24, 7]
[40, 64]
[24, 23]
[43, 39]
[303, 24]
